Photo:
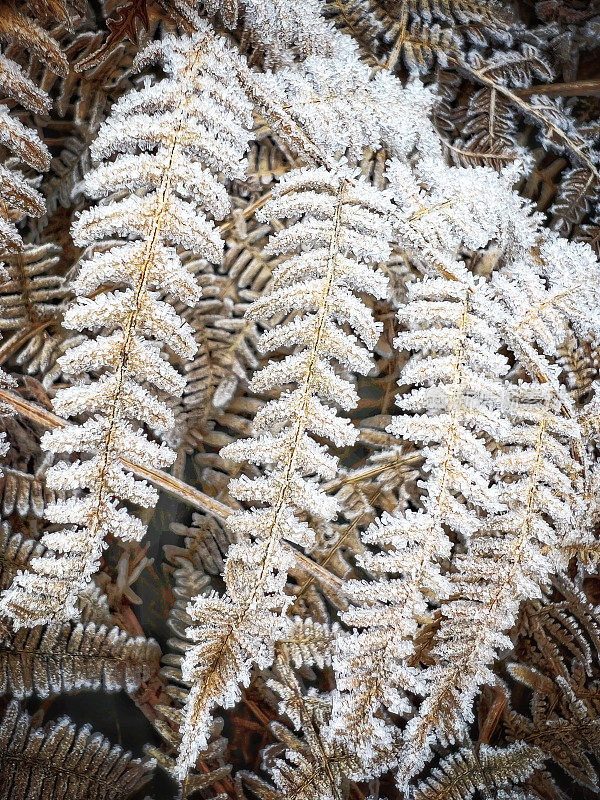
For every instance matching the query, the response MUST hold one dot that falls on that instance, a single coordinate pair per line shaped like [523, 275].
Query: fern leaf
[63, 762]
[577, 196]
[190, 581]
[337, 217]
[310, 643]
[462, 774]
[73, 656]
[505, 563]
[16, 553]
[488, 131]
[277, 28]
[29, 302]
[24, 494]
[312, 766]
[17, 195]
[171, 123]
[516, 67]
[441, 412]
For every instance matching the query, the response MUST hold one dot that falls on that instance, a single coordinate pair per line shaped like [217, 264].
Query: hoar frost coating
[170, 140]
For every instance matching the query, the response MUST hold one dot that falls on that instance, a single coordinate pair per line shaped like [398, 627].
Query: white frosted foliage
[340, 229]
[164, 149]
[505, 489]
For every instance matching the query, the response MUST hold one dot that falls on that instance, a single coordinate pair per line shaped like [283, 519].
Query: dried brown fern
[30, 307]
[18, 197]
[67, 658]
[63, 762]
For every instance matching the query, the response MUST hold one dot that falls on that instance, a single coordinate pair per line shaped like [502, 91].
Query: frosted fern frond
[5, 411]
[279, 28]
[516, 68]
[309, 643]
[329, 99]
[458, 394]
[558, 115]
[545, 284]
[190, 581]
[464, 774]
[214, 770]
[548, 290]
[532, 323]
[440, 213]
[6, 381]
[341, 228]
[341, 107]
[17, 552]
[507, 561]
[451, 413]
[457, 414]
[169, 141]
[488, 133]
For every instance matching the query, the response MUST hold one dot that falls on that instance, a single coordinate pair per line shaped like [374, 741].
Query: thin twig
[567, 89]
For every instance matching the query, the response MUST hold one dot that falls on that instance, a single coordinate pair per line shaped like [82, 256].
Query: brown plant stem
[567, 89]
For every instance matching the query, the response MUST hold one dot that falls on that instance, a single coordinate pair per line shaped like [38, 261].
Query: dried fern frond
[227, 340]
[67, 658]
[302, 765]
[18, 196]
[30, 305]
[421, 46]
[25, 495]
[590, 233]
[557, 651]
[16, 553]
[564, 723]
[578, 360]
[381, 27]
[488, 131]
[206, 542]
[63, 762]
